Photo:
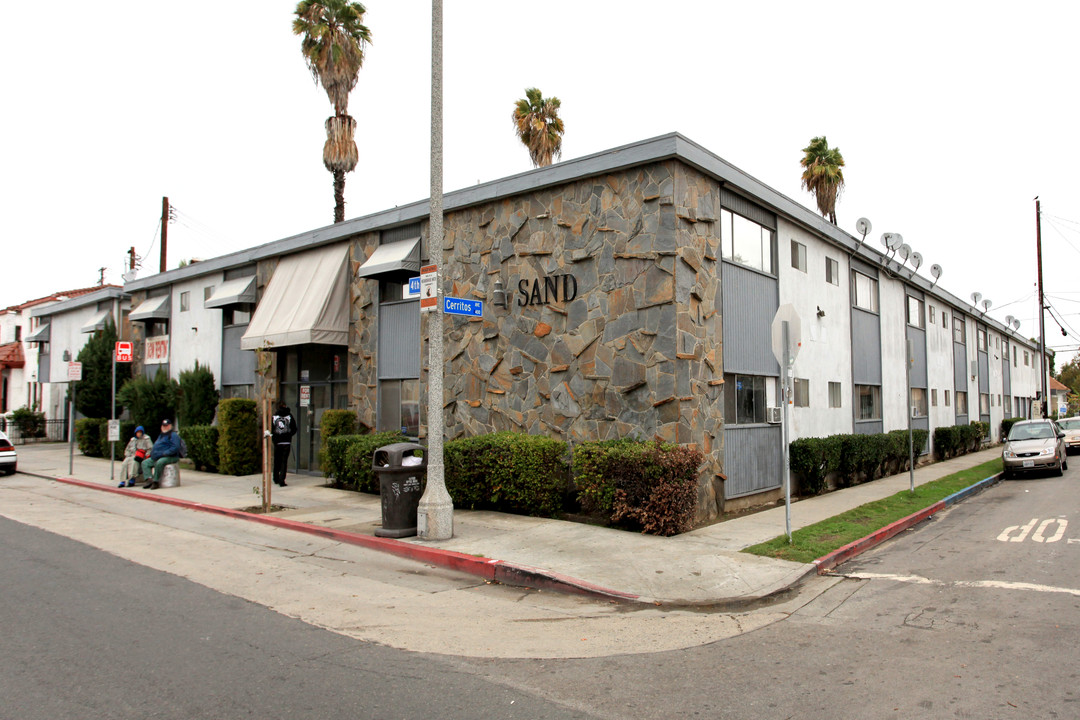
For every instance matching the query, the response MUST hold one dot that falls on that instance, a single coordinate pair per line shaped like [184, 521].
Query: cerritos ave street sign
[462, 306]
[124, 352]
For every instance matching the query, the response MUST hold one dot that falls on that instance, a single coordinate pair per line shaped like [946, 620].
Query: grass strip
[813, 541]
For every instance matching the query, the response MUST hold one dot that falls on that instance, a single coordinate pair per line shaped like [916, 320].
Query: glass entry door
[312, 380]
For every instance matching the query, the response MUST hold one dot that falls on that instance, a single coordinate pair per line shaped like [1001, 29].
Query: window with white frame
[802, 392]
[933, 397]
[918, 402]
[744, 399]
[961, 402]
[834, 395]
[745, 242]
[868, 400]
[798, 255]
[984, 404]
[185, 301]
[931, 314]
[959, 328]
[946, 398]
[980, 339]
[207, 292]
[832, 271]
[915, 312]
[864, 291]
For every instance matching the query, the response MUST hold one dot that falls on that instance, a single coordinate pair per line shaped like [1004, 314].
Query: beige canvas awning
[306, 301]
[403, 255]
[233, 292]
[155, 308]
[97, 322]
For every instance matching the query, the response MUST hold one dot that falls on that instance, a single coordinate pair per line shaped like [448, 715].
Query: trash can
[401, 472]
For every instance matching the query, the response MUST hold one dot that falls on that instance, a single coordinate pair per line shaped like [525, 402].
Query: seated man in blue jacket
[166, 450]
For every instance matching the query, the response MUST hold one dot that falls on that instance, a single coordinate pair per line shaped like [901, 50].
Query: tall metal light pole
[1042, 309]
[435, 514]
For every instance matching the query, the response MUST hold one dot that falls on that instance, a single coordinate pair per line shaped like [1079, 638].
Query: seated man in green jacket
[166, 450]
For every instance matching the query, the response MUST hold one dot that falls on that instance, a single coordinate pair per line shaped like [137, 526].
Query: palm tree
[334, 39]
[538, 126]
[823, 175]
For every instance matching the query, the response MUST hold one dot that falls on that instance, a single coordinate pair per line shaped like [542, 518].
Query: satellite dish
[128, 276]
[986, 305]
[863, 227]
[1016, 324]
[1008, 320]
[916, 260]
[976, 297]
[896, 242]
[904, 251]
[886, 240]
[936, 271]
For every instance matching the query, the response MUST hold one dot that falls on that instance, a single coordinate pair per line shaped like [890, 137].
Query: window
[932, 311]
[933, 397]
[944, 321]
[961, 402]
[868, 398]
[984, 404]
[18, 336]
[980, 339]
[745, 242]
[235, 316]
[1014, 356]
[802, 392]
[946, 398]
[915, 312]
[918, 402]
[999, 400]
[959, 329]
[207, 292]
[744, 399]
[832, 271]
[1025, 358]
[864, 291]
[798, 256]
[185, 301]
[834, 394]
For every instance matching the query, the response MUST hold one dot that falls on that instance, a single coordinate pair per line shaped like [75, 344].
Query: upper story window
[931, 313]
[207, 292]
[745, 242]
[18, 333]
[802, 392]
[959, 330]
[798, 255]
[185, 301]
[864, 291]
[744, 399]
[832, 271]
[980, 339]
[915, 312]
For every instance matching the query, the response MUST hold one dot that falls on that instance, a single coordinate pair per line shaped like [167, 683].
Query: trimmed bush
[202, 442]
[31, 423]
[239, 446]
[348, 459]
[650, 486]
[813, 460]
[509, 472]
[88, 433]
[334, 423]
[855, 458]
[197, 397]
[954, 440]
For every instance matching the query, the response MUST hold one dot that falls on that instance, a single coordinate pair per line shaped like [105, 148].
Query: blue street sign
[461, 306]
[414, 287]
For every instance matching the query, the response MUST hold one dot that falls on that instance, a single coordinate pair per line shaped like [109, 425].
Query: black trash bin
[401, 483]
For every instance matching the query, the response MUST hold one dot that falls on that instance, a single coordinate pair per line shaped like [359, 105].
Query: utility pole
[435, 514]
[131, 258]
[101, 276]
[164, 231]
[1042, 309]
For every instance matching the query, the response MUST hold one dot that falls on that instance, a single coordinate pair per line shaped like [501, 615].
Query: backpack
[281, 427]
[183, 446]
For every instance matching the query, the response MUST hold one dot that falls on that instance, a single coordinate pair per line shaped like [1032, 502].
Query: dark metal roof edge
[77, 302]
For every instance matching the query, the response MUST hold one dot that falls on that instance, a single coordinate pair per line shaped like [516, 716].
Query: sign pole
[112, 417]
[71, 430]
[910, 422]
[786, 388]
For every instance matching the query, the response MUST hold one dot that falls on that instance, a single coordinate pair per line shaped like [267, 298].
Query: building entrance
[313, 379]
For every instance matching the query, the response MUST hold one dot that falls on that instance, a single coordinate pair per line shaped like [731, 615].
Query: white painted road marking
[992, 584]
[1039, 535]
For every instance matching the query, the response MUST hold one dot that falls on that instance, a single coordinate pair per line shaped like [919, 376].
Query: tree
[333, 44]
[539, 127]
[151, 401]
[823, 175]
[197, 396]
[93, 394]
[1070, 374]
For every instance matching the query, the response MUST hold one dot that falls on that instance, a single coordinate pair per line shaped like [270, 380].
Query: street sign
[429, 291]
[74, 371]
[124, 352]
[786, 313]
[462, 306]
[413, 289]
[114, 431]
[305, 396]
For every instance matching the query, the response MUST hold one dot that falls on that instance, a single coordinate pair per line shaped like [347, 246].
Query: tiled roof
[54, 297]
[11, 355]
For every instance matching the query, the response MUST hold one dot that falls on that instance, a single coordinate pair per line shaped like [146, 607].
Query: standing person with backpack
[282, 428]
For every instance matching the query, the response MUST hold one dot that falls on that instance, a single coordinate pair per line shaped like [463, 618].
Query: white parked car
[8, 459]
[1071, 426]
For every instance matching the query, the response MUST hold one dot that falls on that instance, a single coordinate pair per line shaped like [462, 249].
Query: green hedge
[348, 459]
[202, 443]
[1006, 426]
[88, 434]
[333, 424]
[509, 472]
[854, 457]
[651, 486]
[31, 423]
[239, 440]
[953, 440]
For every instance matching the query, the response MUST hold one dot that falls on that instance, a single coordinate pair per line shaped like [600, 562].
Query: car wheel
[1064, 464]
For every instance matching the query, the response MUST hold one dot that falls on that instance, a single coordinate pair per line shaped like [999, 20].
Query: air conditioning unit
[774, 415]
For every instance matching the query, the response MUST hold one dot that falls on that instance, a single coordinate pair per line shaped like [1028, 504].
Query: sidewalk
[702, 567]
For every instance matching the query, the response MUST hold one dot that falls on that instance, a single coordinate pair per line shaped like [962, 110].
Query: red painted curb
[485, 568]
[841, 555]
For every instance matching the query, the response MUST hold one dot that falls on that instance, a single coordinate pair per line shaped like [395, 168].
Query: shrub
[594, 481]
[509, 472]
[239, 443]
[88, 432]
[197, 396]
[813, 460]
[202, 442]
[358, 474]
[334, 423]
[31, 423]
[127, 431]
[150, 400]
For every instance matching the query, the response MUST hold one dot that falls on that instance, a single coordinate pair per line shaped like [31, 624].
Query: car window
[1070, 424]
[1035, 431]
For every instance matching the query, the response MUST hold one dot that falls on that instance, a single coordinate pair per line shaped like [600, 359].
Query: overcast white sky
[952, 117]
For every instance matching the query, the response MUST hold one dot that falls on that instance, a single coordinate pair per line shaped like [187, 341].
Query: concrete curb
[841, 555]
[500, 571]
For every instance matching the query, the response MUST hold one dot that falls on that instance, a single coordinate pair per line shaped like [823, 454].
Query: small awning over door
[97, 322]
[233, 292]
[155, 308]
[40, 335]
[306, 301]
[400, 256]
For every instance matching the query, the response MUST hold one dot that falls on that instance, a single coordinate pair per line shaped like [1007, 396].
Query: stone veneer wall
[637, 353]
[364, 334]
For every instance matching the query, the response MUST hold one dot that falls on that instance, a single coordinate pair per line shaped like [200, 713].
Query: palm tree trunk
[339, 196]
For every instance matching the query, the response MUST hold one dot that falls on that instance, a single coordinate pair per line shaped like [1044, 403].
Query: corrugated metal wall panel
[753, 460]
[750, 302]
[237, 366]
[960, 367]
[742, 206]
[869, 427]
[399, 340]
[1006, 376]
[866, 347]
[917, 336]
[984, 373]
